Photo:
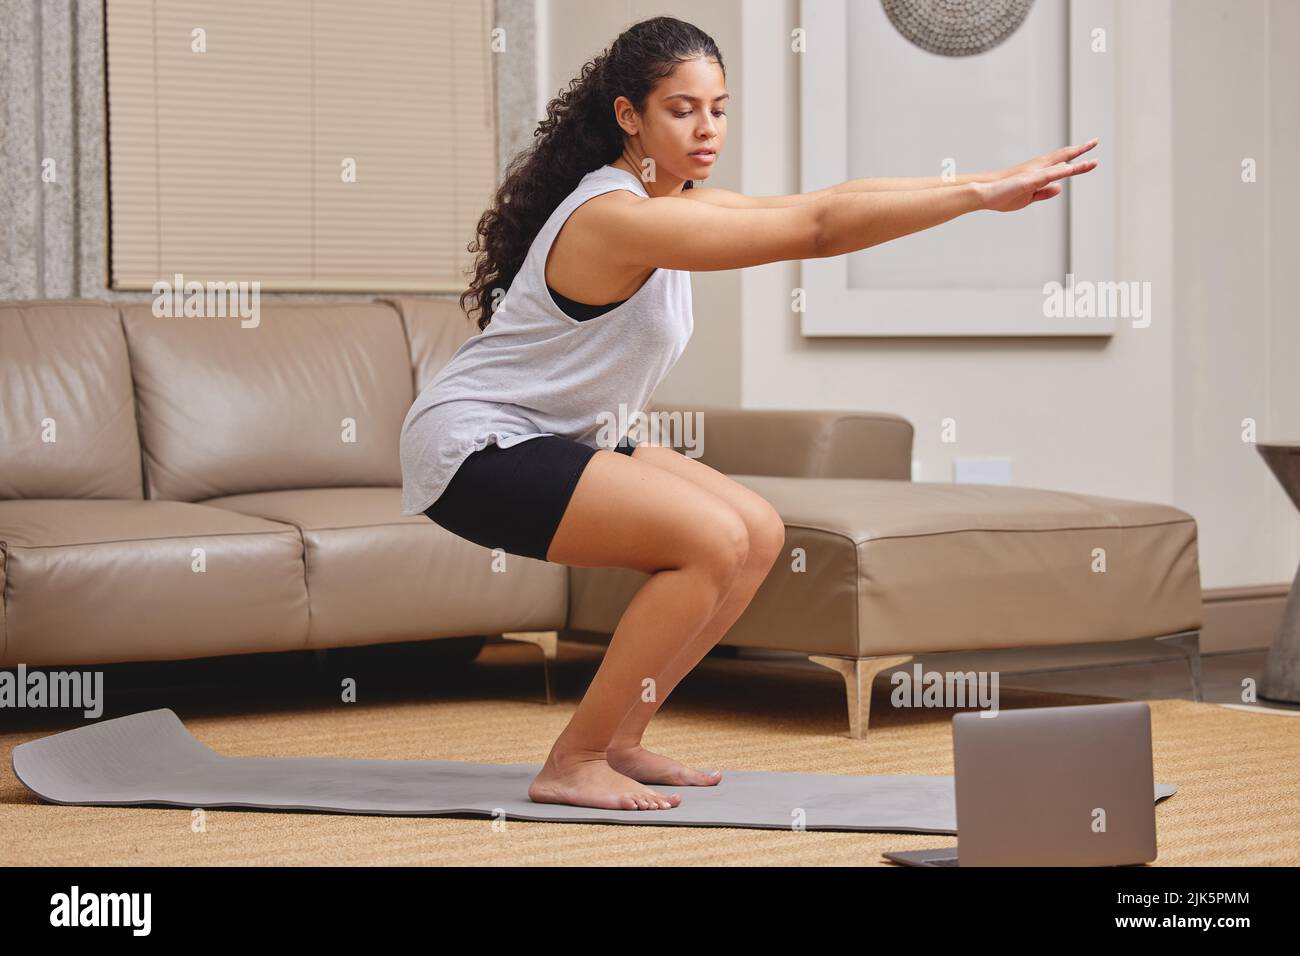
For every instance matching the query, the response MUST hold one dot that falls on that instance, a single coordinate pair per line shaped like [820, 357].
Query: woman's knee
[765, 528]
[766, 535]
[721, 546]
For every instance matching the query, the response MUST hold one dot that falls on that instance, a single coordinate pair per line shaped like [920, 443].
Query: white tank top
[537, 371]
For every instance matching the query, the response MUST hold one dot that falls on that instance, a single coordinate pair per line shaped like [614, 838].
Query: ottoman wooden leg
[858, 673]
[546, 642]
[1189, 643]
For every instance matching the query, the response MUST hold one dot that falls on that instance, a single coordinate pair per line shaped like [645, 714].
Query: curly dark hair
[579, 134]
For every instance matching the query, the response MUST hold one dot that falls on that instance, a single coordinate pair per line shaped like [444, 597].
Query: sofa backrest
[67, 415]
[435, 328]
[312, 396]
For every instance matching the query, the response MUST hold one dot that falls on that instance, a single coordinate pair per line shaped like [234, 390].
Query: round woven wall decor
[956, 27]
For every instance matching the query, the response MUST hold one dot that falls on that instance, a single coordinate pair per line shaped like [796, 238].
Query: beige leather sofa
[177, 488]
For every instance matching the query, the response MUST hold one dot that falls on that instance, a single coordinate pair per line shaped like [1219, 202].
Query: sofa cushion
[93, 581]
[67, 415]
[374, 575]
[311, 396]
[890, 567]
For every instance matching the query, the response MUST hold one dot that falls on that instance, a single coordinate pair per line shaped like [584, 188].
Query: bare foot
[589, 781]
[649, 767]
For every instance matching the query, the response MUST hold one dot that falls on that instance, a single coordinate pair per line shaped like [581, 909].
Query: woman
[583, 291]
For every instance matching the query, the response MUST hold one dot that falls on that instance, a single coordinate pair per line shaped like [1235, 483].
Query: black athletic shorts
[513, 498]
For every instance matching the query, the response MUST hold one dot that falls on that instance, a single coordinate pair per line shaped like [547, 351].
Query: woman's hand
[1018, 190]
[1063, 155]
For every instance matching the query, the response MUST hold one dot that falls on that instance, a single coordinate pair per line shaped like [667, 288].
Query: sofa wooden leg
[1189, 643]
[858, 673]
[546, 642]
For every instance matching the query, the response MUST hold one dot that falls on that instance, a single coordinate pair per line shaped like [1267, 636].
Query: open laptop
[1051, 786]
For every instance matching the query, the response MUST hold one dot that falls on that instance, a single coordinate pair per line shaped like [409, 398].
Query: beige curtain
[309, 146]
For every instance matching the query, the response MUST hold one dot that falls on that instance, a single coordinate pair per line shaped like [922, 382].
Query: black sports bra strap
[581, 310]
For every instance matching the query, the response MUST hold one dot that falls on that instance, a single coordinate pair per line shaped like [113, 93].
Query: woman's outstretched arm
[875, 184]
[672, 232]
[735, 200]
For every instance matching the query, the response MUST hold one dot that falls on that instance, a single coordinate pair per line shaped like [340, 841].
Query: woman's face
[686, 113]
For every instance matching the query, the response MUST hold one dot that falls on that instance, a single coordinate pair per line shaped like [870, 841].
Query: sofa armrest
[792, 444]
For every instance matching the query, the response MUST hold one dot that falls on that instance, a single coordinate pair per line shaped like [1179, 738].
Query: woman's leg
[626, 513]
[766, 540]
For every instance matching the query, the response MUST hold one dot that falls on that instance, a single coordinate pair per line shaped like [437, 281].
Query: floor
[1238, 773]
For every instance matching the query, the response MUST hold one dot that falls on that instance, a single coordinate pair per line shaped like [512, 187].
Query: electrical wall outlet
[981, 471]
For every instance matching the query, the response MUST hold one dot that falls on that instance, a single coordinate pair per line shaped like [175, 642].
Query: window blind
[232, 164]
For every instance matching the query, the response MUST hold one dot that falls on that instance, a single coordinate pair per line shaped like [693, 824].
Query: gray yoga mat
[150, 758]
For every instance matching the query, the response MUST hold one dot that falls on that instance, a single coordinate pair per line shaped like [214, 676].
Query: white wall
[1282, 415]
[1235, 244]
